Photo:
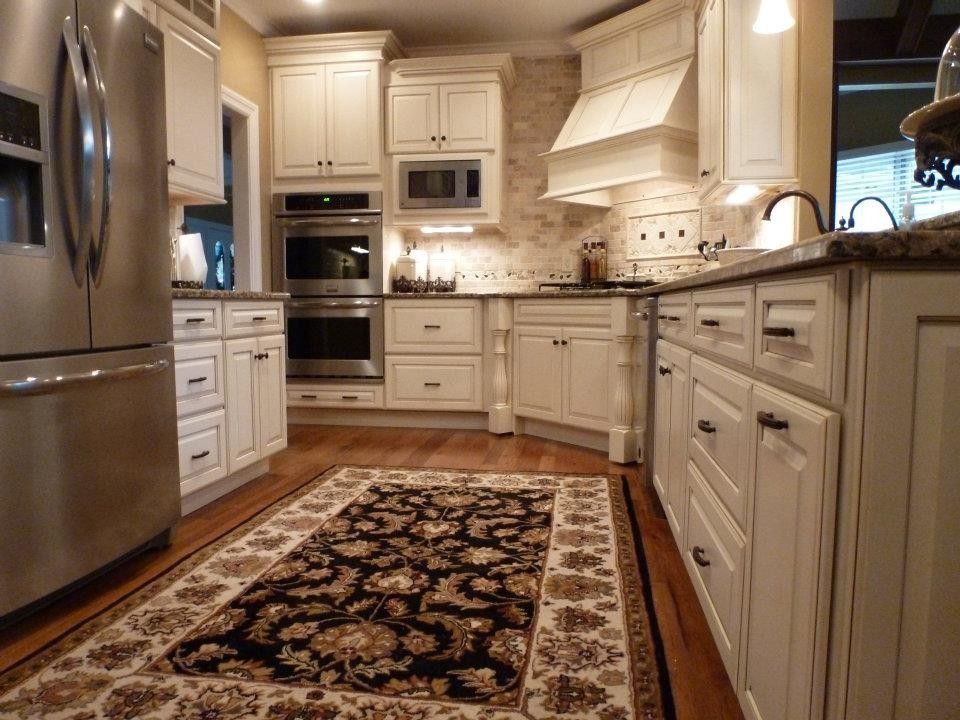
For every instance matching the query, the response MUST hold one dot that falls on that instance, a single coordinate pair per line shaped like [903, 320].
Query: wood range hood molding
[635, 121]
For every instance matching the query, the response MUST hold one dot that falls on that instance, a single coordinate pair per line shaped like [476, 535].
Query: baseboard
[387, 418]
[562, 433]
[205, 495]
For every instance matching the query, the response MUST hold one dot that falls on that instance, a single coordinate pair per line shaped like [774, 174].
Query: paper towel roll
[191, 260]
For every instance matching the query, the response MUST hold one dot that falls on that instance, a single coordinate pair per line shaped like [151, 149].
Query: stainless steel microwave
[432, 184]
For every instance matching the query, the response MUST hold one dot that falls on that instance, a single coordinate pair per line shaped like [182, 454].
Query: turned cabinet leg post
[623, 437]
[500, 418]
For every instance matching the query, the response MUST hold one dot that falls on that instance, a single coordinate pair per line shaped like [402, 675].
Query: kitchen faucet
[893, 220]
[818, 213]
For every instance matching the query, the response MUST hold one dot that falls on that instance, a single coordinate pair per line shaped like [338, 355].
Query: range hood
[635, 123]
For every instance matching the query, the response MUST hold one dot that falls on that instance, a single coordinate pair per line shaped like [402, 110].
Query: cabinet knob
[704, 173]
[171, 162]
[698, 558]
[705, 426]
[433, 138]
[663, 370]
[320, 163]
[258, 356]
[556, 342]
[564, 342]
[768, 420]
[329, 162]
[443, 138]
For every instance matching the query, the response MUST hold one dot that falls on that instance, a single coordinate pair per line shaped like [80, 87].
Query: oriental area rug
[382, 594]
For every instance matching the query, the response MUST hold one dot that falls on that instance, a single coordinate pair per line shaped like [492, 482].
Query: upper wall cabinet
[747, 99]
[453, 117]
[202, 15]
[326, 107]
[194, 113]
[450, 104]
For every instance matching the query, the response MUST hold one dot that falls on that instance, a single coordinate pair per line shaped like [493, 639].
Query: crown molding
[529, 48]
[249, 12]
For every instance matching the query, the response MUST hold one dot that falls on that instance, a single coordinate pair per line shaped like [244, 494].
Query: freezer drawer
[88, 465]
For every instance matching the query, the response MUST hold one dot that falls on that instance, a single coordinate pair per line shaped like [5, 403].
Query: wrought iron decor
[938, 153]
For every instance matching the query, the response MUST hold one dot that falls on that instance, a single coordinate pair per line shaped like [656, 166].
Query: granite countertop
[614, 292]
[188, 294]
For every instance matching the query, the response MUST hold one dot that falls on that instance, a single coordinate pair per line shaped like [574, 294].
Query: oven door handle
[333, 304]
[331, 222]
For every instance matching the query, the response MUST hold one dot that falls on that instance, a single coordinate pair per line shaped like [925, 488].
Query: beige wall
[243, 69]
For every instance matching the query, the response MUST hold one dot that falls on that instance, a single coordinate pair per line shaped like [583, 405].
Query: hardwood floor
[700, 686]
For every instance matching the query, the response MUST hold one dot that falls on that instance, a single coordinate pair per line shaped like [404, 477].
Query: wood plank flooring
[700, 686]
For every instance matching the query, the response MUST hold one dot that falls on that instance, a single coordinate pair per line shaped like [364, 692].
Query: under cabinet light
[436, 229]
[742, 194]
[359, 250]
[774, 17]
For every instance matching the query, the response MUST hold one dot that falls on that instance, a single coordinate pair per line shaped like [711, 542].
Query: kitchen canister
[405, 267]
[443, 266]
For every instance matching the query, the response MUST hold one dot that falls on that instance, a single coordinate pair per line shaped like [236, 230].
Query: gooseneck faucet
[893, 220]
[818, 213]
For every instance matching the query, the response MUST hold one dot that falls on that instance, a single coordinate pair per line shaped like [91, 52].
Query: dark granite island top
[248, 295]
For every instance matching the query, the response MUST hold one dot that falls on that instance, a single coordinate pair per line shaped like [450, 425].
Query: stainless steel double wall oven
[328, 254]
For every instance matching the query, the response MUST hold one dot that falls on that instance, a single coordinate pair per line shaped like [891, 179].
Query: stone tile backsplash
[542, 238]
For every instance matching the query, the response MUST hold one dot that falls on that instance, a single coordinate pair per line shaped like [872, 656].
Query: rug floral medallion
[379, 594]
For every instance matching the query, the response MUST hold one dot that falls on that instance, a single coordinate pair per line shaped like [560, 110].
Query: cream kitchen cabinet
[194, 113]
[748, 85]
[231, 399]
[448, 117]
[671, 384]
[433, 354]
[326, 120]
[256, 398]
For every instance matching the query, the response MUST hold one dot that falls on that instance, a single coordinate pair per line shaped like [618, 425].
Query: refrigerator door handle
[31, 386]
[85, 238]
[99, 250]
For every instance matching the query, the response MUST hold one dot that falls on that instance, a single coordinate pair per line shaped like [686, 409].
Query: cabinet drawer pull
[259, 318]
[704, 173]
[663, 370]
[200, 455]
[698, 558]
[196, 380]
[349, 397]
[194, 320]
[706, 322]
[431, 327]
[705, 426]
[431, 384]
[641, 315]
[779, 332]
[308, 397]
[671, 318]
[768, 420]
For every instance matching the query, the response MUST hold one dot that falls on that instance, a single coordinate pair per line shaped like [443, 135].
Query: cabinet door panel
[537, 372]
[271, 372]
[352, 119]
[243, 421]
[783, 645]
[468, 116]
[587, 385]
[194, 115]
[297, 129]
[710, 100]
[413, 119]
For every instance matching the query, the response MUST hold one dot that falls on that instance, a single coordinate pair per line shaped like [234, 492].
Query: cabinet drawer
[714, 556]
[433, 383]
[673, 316]
[723, 322]
[202, 443]
[199, 376]
[336, 396]
[719, 433]
[197, 319]
[795, 331]
[245, 319]
[568, 311]
[450, 327]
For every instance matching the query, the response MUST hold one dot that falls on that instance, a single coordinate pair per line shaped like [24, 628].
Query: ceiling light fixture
[774, 17]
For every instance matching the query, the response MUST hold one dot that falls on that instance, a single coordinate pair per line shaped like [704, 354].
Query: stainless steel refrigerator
[88, 443]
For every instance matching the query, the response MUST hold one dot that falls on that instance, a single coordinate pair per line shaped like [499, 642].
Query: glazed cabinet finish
[194, 114]
[670, 432]
[326, 120]
[448, 117]
[748, 86]
[537, 373]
